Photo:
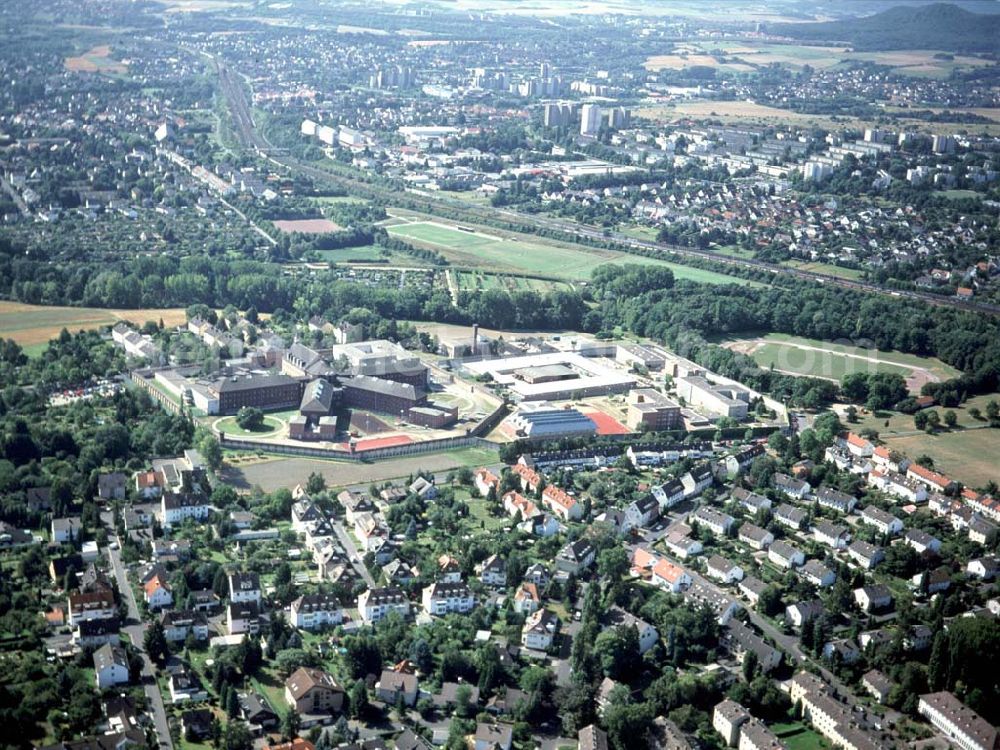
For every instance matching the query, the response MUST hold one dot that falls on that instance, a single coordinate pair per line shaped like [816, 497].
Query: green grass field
[967, 456]
[828, 268]
[830, 365]
[490, 251]
[228, 426]
[363, 254]
[798, 736]
[790, 354]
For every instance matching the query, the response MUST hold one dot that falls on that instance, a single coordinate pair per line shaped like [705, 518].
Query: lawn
[797, 736]
[33, 325]
[484, 248]
[967, 456]
[362, 254]
[228, 426]
[901, 425]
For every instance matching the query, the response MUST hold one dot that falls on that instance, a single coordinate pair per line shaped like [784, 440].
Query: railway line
[251, 138]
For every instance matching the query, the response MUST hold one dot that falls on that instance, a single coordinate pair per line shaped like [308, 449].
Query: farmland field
[472, 247]
[834, 360]
[477, 280]
[33, 325]
[95, 60]
[306, 226]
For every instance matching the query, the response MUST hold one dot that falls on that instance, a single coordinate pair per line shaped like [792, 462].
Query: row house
[784, 555]
[669, 494]
[835, 500]
[790, 486]
[751, 501]
[755, 537]
[885, 522]
[723, 570]
[932, 479]
[718, 523]
[518, 506]
[562, 504]
[898, 485]
[865, 554]
[790, 516]
[641, 513]
[831, 534]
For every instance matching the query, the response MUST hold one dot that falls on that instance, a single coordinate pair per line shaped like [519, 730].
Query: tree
[250, 418]
[155, 643]
[920, 420]
[950, 419]
[237, 736]
[613, 564]
[290, 724]
[315, 484]
[358, 698]
[211, 451]
[750, 664]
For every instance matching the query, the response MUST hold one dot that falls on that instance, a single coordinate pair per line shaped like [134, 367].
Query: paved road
[352, 552]
[135, 628]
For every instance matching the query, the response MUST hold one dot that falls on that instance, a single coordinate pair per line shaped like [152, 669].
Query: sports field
[834, 360]
[465, 245]
[34, 325]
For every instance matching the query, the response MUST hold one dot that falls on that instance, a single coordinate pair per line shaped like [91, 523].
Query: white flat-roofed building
[578, 377]
[727, 718]
[726, 400]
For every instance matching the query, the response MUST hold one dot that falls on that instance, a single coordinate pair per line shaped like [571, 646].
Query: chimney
[475, 339]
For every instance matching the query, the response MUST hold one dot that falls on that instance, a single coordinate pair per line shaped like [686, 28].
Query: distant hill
[940, 26]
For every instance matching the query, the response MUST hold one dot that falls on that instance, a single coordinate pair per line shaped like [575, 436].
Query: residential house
[668, 494]
[257, 712]
[922, 542]
[526, 599]
[751, 501]
[681, 542]
[111, 486]
[835, 500]
[742, 640]
[313, 691]
[984, 568]
[375, 604]
[394, 687]
[843, 650]
[641, 513]
[493, 736]
[315, 611]
[831, 534]
[866, 555]
[178, 624]
[242, 617]
[727, 719]
[755, 735]
[798, 613]
[790, 486]
[110, 666]
[539, 630]
[784, 555]
[618, 617]
[931, 479]
[884, 522]
[877, 684]
[755, 537]
[671, 577]
[175, 508]
[697, 480]
[244, 587]
[66, 530]
[576, 557]
[723, 570]
[752, 588]
[157, 593]
[592, 737]
[184, 685]
[90, 605]
[817, 574]
[94, 633]
[790, 516]
[485, 480]
[449, 569]
[493, 572]
[423, 488]
[872, 598]
[442, 598]
[718, 523]
[562, 504]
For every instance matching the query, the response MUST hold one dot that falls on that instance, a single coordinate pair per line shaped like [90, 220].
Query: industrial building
[725, 400]
[540, 419]
[553, 376]
[651, 411]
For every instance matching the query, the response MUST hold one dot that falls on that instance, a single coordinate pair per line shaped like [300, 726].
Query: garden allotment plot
[474, 247]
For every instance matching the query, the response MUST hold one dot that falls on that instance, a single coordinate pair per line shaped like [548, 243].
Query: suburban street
[135, 628]
[352, 553]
